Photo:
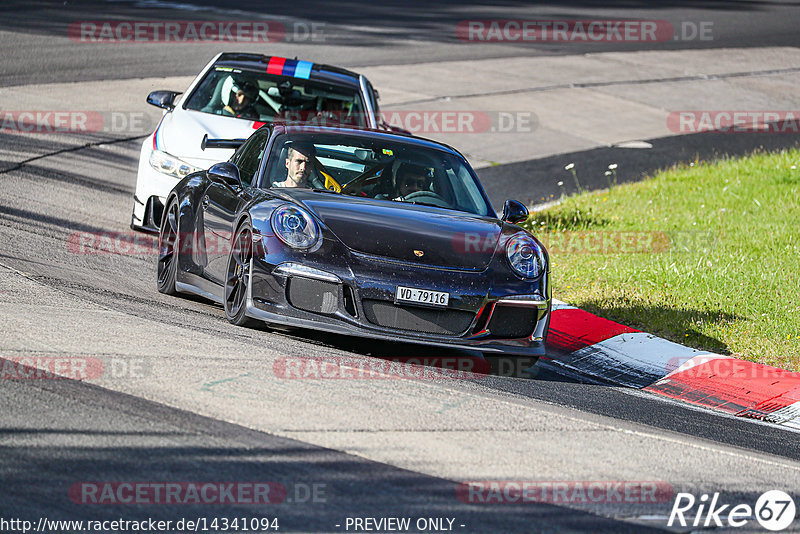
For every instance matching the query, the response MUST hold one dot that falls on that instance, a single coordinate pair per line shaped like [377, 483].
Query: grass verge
[706, 255]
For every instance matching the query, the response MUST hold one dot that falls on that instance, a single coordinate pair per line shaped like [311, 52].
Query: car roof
[353, 131]
[260, 62]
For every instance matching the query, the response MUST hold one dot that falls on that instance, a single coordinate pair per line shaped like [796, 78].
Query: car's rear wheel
[168, 248]
[237, 279]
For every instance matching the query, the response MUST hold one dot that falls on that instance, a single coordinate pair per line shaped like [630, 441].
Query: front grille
[427, 320]
[512, 321]
[313, 295]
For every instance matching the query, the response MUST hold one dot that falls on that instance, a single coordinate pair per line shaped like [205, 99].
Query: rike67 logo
[774, 510]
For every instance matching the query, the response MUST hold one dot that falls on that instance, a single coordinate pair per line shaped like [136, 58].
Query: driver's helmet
[248, 88]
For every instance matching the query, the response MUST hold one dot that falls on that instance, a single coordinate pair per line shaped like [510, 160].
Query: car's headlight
[525, 256]
[170, 165]
[295, 227]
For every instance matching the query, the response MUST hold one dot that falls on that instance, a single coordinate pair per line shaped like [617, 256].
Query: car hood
[408, 232]
[181, 132]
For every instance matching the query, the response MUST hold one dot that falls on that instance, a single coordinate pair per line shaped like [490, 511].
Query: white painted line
[697, 360]
[561, 305]
[786, 416]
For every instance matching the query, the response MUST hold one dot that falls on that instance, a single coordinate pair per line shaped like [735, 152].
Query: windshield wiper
[320, 190]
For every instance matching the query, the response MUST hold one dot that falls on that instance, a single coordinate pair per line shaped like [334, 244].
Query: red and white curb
[592, 346]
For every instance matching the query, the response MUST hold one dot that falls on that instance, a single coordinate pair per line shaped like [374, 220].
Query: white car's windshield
[376, 168]
[263, 97]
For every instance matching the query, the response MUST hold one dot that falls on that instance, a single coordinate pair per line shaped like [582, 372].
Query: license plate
[421, 296]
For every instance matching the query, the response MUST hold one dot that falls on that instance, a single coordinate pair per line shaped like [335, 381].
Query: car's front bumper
[152, 188]
[359, 300]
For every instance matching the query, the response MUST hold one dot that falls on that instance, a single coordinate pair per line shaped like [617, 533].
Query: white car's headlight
[170, 165]
[525, 256]
[295, 227]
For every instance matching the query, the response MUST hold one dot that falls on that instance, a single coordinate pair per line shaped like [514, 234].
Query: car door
[222, 202]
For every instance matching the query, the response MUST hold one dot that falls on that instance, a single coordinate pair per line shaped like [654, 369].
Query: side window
[248, 157]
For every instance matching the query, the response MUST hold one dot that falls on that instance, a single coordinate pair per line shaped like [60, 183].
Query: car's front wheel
[237, 278]
[168, 249]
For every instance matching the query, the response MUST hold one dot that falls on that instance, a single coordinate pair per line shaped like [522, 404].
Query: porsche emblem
[419, 253]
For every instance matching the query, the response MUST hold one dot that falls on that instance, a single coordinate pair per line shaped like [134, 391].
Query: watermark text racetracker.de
[734, 121]
[586, 242]
[138, 493]
[583, 31]
[72, 368]
[423, 122]
[129, 243]
[205, 244]
[461, 121]
[718, 367]
[401, 368]
[76, 122]
[195, 31]
[595, 241]
[564, 492]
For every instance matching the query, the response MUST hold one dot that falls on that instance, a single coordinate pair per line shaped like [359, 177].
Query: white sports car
[231, 98]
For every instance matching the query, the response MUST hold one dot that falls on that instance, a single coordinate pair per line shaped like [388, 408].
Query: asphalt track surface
[386, 33]
[55, 432]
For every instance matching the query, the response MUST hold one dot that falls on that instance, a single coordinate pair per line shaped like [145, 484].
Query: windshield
[263, 97]
[393, 171]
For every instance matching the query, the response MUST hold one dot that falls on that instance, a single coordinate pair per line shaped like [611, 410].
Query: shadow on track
[57, 457]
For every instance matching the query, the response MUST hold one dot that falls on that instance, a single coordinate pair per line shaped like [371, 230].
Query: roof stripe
[275, 65]
[289, 67]
[303, 69]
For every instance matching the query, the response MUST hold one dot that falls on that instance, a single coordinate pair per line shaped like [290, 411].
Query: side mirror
[514, 211]
[162, 99]
[226, 173]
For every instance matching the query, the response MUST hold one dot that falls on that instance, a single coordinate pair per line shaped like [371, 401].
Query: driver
[410, 179]
[298, 165]
[242, 103]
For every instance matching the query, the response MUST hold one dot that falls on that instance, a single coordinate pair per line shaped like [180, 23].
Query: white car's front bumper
[152, 188]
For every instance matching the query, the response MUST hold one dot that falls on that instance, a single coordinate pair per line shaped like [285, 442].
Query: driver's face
[298, 167]
[242, 98]
[412, 183]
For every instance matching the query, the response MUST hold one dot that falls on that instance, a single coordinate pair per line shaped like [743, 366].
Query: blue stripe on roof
[289, 67]
[303, 69]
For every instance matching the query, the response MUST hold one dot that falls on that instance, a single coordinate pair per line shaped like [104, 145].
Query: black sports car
[358, 232]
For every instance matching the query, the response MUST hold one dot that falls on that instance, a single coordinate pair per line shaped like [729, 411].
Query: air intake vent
[512, 322]
[313, 295]
[350, 301]
[429, 321]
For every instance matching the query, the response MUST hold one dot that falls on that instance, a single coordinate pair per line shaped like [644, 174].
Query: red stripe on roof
[572, 329]
[275, 65]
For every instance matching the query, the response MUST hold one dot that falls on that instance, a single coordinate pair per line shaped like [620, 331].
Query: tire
[511, 366]
[237, 278]
[168, 249]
